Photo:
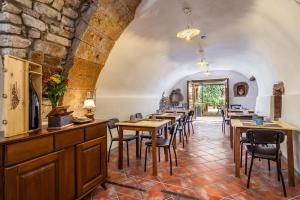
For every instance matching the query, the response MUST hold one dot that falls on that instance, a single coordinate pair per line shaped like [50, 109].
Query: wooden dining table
[237, 115]
[185, 112]
[240, 126]
[240, 110]
[150, 125]
[171, 116]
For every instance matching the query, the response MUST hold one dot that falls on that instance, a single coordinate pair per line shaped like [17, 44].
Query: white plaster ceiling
[253, 37]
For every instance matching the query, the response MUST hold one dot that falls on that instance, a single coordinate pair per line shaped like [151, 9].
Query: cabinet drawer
[26, 150]
[96, 131]
[69, 138]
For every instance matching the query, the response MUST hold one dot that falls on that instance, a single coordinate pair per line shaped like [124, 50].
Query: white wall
[234, 77]
[257, 37]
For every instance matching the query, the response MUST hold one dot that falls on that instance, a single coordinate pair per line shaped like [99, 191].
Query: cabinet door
[35, 179]
[91, 164]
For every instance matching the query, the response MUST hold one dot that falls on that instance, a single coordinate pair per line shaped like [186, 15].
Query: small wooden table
[240, 110]
[240, 126]
[151, 126]
[185, 112]
[171, 116]
[237, 115]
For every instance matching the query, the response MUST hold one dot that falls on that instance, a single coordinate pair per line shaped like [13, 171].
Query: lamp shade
[188, 33]
[89, 104]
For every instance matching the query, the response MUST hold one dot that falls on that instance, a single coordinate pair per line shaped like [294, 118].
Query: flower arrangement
[56, 85]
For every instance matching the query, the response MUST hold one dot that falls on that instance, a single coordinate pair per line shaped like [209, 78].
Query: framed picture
[241, 89]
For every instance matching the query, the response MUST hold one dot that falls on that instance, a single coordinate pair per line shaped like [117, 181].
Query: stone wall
[74, 36]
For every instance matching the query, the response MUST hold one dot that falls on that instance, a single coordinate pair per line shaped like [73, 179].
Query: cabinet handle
[4, 122]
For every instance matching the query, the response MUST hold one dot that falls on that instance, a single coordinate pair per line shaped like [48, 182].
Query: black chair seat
[264, 152]
[244, 140]
[160, 142]
[126, 138]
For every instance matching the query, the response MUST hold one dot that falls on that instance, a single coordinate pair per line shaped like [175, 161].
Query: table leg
[166, 150]
[154, 157]
[290, 158]
[137, 144]
[237, 150]
[120, 163]
[231, 136]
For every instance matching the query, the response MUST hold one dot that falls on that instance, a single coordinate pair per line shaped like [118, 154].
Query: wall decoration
[164, 102]
[15, 96]
[240, 89]
[278, 91]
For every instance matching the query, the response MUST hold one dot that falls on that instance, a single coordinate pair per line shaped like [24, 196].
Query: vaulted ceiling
[253, 37]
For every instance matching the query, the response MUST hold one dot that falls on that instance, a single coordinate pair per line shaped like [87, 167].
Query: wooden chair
[190, 121]
[126, 138]
[265, 144]
[235, 106]
[182, 130]
[144, 135]
[166, 144]
[225, 120]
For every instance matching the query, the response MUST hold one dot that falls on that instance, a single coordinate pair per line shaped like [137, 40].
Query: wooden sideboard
[54, 165]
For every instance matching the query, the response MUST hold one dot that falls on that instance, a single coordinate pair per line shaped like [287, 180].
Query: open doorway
[208, 97]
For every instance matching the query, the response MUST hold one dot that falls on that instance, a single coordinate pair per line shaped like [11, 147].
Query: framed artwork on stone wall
[240, 89]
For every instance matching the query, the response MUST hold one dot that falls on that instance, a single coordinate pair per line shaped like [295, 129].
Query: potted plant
[56, 85]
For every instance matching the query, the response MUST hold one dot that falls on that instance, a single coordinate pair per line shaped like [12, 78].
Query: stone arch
[75, 36]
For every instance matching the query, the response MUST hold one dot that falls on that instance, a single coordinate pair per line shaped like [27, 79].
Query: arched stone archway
[75, 36]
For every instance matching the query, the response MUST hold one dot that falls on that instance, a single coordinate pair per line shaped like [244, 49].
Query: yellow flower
[56, 80]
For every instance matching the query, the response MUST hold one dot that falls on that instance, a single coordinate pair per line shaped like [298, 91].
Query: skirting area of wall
[291, 112]
[124, 106]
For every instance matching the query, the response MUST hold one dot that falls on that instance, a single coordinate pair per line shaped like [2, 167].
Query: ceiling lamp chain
[190, 31]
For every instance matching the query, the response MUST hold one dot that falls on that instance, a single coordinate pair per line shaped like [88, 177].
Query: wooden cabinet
[91, 168]
[57, 165]
[35, 179]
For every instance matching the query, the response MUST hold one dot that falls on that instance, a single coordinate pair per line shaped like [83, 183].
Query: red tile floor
[205, 171]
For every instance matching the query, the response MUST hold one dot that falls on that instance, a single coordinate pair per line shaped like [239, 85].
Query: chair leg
[141, 142]
[189, 128]
[278, 169]
[192, 127]
[250, 170]
[181, 135]
[186, 137]
[246, 164]
[282, 180]
[175, 155]
[127, 153]
[158, 154]
[170, 161]
[145, 166]
[241, 147]
[109, 151]
[269, 165]
[223, 127]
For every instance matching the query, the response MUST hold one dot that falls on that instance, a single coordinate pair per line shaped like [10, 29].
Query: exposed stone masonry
[75, 36]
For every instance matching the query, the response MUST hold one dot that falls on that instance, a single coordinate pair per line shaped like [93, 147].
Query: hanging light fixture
[207, 73]
[202, 63]
[189, 32]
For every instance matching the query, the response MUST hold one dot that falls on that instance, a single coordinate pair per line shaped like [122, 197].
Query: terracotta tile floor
[205, 171]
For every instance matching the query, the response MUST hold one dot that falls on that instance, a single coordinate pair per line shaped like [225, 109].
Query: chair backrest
[184, 120]
[236, 106]
[223, 114]
[139, 115]
[173, 131]
[111, 124]
[262, 136]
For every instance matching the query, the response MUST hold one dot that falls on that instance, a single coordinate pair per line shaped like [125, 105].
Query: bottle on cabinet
[34, 106]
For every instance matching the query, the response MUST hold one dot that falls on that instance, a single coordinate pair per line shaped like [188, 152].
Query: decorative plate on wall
[240, 89]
